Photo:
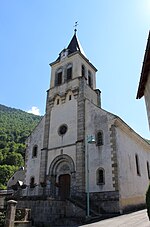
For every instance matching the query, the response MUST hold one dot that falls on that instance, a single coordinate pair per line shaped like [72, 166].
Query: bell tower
[73, 80]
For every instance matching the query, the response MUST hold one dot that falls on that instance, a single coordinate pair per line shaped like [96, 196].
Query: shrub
[2, 218]
[148, 201]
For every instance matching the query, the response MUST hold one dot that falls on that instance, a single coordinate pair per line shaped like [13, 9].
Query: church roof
[75, 45]
[145, 70]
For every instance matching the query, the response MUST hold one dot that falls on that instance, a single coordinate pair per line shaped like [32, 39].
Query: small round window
[62, 130]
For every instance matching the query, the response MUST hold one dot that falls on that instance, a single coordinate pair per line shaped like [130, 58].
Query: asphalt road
[135, 219]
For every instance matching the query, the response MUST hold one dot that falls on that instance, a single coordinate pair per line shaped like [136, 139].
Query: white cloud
[34, 110]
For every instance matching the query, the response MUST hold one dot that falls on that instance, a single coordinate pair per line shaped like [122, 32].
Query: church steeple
[72, 63]
[73, 47]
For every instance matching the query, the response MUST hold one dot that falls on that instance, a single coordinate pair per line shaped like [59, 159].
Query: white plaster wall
[90, 95]
[97, 119]
[131, 184]
[52, 154]
[147, 98]
[33, 164]
[59, 90]
[64, 113]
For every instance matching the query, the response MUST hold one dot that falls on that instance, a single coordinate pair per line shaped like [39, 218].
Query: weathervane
[76, 24]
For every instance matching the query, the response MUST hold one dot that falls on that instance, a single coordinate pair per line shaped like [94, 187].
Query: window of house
[90, 79]
[99, 139]
[32, 182]
[69, 72]
[69, 97]
[148, 170]
[137, 165]
[57, 101]
[83, 70]
[100, 175]
[58, 79]
[34, 151]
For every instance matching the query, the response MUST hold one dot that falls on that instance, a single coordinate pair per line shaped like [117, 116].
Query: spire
[73, 46]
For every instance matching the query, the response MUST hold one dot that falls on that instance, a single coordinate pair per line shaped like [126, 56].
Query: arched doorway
[61, 175]
[64, 186]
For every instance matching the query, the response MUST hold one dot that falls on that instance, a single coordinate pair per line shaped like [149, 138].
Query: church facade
[61, 162]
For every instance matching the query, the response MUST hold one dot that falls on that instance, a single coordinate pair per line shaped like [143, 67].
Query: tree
[15, 127]
[15, 159]
[6, 172]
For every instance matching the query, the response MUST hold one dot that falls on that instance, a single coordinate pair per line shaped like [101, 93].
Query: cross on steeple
[76, 24]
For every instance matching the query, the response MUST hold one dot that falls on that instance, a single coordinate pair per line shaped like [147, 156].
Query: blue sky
[113, 35]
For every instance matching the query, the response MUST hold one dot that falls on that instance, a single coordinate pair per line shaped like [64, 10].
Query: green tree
[15, 127]
[6, 172]
[15, 159]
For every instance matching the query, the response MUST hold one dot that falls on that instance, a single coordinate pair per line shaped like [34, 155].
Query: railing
[79, 199]
[43, 192]
[37, 191]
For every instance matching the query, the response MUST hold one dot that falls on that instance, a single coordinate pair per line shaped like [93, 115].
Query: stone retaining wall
[105, 202]
[45, 212]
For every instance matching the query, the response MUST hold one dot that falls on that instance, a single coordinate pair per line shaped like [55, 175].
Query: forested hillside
[15, 127]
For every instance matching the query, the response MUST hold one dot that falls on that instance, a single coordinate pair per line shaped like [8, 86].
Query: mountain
[15, 127]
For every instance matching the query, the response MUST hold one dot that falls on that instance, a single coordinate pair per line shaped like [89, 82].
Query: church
[80, 152]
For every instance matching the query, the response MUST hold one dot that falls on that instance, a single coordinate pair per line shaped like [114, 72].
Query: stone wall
[22, 224]
[3, 195]
[48, 211]
[105, 202]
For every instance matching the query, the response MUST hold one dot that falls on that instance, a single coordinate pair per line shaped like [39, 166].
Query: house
[144, 84]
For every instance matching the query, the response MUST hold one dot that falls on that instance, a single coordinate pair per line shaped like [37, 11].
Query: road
[135, 219]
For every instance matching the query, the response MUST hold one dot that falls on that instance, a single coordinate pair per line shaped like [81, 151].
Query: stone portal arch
[61, 174]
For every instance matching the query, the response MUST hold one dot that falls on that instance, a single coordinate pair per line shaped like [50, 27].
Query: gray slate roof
[145, 70]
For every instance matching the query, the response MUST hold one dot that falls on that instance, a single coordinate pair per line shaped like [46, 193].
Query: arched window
[137, 165]
[34, 151]
[57, 101]
[148, 170]
[90, 82]
[70, 97]
[83, 70]
[100, 176]
[58, 77]
[32, 182]
[99, 139]
[69, 72]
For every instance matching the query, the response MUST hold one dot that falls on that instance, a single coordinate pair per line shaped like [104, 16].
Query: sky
[113, 35]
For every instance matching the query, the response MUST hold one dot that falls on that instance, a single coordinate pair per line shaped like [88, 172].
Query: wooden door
[64, 186]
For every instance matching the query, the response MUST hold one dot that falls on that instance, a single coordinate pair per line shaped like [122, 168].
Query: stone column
[10, 214]
[80, 144]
